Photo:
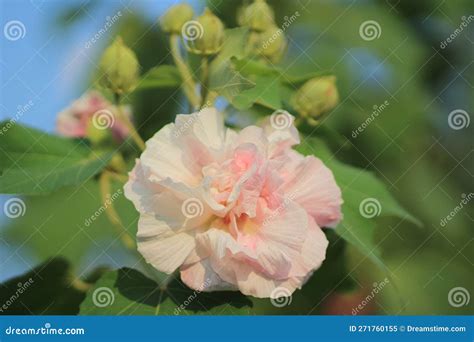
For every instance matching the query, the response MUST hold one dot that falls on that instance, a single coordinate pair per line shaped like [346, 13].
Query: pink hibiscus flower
[232, 210]
[91, 108]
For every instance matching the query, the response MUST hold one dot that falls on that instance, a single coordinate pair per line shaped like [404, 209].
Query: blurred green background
[410, 146]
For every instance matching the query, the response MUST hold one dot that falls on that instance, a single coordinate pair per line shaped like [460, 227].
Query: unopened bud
[272, 43]
[258, 16]
[118, 68]
[174, 19]
[205, 35]
[316, 96]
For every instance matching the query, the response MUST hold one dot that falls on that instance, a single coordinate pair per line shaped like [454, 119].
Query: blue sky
[45, 66]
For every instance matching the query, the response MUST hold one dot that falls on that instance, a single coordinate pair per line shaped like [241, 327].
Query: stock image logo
[370, 30]
[14, 30]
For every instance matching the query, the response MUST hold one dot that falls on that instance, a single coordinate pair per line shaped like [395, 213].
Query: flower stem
[204, 80]
[123, 118]
[189, 87]
[114, 218]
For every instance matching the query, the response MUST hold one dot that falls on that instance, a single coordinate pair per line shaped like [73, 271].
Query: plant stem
[189, 87]
[114, 218]
[204, 80]
[123, 118]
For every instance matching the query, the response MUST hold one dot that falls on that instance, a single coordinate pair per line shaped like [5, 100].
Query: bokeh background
[410, 146]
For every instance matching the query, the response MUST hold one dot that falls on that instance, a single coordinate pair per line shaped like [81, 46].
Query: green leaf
[223, 78]
[61, 224]
[266, 93]
[357, 185]
[46, 290]
[128, 292]
[162, 76]
[34, 162]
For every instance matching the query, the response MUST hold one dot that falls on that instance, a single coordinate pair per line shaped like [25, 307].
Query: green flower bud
[272, 43]
[174, 19]
[316, 96]
[118, 68]
[258, 16]
[205, 35]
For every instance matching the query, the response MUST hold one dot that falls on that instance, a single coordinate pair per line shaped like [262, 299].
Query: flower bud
[118, 68]
[174, 19]
[272, 43]
[204, 36]
[316, 96]
[258, 16]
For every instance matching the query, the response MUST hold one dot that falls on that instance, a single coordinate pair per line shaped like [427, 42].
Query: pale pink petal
[160, 245]
[201, 277]
[311, 184]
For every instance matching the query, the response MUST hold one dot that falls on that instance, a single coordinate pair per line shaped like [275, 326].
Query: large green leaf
[61, 224]
[357, 186]
[128, 292]
[48, 289]
[223, 77]
[34, 162]
[162, 76]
